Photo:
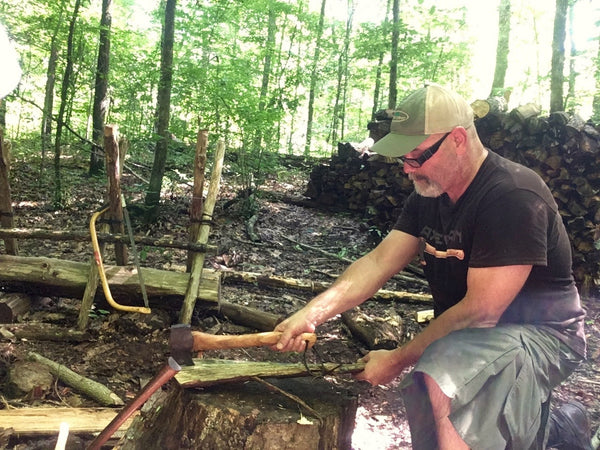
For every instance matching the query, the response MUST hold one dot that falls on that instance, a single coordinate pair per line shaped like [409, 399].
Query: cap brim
[397, 144]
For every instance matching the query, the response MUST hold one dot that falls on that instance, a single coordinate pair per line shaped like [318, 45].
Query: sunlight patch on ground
[378, 432]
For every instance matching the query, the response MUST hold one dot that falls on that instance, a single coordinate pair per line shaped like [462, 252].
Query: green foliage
[220, 78]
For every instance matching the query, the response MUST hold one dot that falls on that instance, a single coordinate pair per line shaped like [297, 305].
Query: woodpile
[562, 147]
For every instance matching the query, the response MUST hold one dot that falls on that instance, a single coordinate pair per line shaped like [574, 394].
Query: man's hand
[381, 367]
[292, 329]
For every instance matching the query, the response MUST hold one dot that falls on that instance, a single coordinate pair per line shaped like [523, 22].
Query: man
[508, 322]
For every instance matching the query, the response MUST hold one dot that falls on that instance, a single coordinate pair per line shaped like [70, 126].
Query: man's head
[426, 111]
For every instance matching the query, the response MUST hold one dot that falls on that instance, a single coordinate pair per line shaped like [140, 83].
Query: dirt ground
[125, 351]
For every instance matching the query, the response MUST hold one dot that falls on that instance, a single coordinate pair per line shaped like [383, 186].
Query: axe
[183, 342]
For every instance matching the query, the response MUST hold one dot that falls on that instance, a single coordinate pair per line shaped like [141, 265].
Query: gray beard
[425, 187]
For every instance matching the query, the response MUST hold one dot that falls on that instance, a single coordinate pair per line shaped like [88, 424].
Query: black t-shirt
[507, 216]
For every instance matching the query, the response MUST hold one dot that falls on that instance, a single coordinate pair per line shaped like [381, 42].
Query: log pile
[563, 148]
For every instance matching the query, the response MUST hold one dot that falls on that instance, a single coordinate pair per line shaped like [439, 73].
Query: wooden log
[12, 305]
[113, 171]
[249, 317]
[91, 388]
[249, 416]
[84, 236]
[197, 192]
[208, 372]
[40, 421]
[189, 300]
[6, 209]
[375, 332]
[65, 278]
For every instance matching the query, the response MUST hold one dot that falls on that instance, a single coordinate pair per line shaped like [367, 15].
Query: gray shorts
[499, 380]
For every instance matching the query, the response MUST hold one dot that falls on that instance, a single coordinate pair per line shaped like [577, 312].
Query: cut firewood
[424, 316]
[375, 332]
[207, 372]
[12, 305]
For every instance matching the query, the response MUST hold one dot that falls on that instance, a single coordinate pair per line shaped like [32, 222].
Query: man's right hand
[292, 329]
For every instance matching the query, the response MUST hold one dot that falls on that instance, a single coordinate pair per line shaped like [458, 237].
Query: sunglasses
[420, 160]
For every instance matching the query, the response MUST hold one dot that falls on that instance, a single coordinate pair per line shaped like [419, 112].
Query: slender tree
[101, 100]
[163, 107]
[58, 194]
[393, 89]
[502, 48]
[596, 100]
[46, 132]
[313, 79]
[557, 77]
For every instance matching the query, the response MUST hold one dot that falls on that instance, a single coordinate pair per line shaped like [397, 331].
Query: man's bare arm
[358, 282]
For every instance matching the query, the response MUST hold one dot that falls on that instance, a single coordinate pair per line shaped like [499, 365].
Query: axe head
[181, 344]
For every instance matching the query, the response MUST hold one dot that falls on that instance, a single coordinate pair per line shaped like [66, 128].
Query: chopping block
[247, 415]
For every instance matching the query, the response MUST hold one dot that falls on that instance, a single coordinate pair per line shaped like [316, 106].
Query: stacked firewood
[563, 148]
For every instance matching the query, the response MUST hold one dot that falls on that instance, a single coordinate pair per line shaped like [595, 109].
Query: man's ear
[459, 135]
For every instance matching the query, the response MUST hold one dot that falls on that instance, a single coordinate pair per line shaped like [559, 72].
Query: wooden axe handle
[205, 341]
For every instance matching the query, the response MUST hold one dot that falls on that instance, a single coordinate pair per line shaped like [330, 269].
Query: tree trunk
[252, 416]
[101, 99]
[313, 80]
[502, 49]
[58, 194]
[557, 77]
[162, 111]
[393, 94]
[596, 102]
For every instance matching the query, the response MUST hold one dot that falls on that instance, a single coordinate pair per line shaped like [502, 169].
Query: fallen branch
[91, 388]
[316, 286]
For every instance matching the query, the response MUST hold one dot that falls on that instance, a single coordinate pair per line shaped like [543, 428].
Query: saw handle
[205, 341]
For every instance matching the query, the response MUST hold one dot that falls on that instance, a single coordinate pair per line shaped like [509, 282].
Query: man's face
[427, 178]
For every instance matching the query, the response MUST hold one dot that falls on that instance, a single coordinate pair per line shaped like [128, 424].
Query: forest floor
[126, 351]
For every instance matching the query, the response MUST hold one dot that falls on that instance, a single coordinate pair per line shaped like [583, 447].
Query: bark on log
[65, 278]
[375, 332]
[91, 388]
[208, 372]
[247, 416]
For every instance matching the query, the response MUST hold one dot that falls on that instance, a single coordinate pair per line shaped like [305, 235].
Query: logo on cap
[399, 116]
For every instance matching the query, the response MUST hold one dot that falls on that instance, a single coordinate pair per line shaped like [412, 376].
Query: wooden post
[113, 171]
[196, 205]
[6, 210]
[185, 315]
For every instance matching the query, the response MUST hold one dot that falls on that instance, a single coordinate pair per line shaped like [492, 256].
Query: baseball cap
[429, 110]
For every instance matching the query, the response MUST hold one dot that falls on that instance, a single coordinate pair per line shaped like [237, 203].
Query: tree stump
[248, 415]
